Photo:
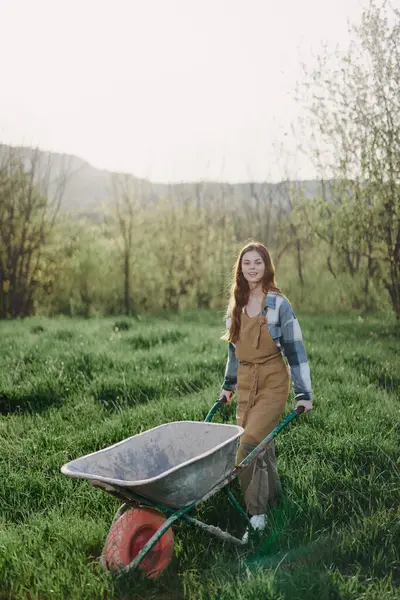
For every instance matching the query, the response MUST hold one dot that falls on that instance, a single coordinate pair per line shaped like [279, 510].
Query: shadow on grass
[371, 333]
[114, 396]
[82, 374]
[64, 335]
[381, 375]
[36, 329]
[135, 586]
[153, 339]
[36, 401]
[317, 358]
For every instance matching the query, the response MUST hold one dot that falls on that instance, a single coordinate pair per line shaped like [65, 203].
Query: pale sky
[170, 90]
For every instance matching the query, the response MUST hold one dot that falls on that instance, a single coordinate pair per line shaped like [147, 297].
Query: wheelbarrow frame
[131, 499]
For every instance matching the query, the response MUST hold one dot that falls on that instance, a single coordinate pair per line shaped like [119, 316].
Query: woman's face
[253, 266]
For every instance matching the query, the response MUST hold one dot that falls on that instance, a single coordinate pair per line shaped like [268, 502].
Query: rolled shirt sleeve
[230, 378]
[295, 352]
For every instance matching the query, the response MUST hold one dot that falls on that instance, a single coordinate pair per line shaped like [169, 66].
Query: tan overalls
[263, 385]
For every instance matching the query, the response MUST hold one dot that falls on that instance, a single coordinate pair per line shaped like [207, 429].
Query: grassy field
[70, 387]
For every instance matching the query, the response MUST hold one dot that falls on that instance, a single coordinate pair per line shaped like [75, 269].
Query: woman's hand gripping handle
[225, 397]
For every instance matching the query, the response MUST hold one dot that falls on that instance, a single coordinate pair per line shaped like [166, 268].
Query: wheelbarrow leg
[211, 529]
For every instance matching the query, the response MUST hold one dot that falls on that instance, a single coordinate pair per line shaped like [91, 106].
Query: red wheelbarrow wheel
[130, 533]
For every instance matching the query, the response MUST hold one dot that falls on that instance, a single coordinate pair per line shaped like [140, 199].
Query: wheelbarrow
[161, 475]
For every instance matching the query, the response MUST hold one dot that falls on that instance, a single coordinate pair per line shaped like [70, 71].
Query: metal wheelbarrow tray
[174, 464]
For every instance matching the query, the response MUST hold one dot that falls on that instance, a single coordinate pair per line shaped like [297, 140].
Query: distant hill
[88, 188]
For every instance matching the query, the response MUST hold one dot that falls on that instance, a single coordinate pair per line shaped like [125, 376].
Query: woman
[262, 328]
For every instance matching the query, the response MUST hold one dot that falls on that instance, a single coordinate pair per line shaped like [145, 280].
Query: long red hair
[240, 288]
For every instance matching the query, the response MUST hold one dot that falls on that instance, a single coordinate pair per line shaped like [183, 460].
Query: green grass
[70, 387]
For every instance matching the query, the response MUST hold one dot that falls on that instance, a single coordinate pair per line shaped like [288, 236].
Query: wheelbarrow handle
[220, 402]
[223, 400]
[262, 445]
[257, 450]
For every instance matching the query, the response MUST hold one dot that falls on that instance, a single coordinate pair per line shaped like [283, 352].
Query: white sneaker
[257, 522]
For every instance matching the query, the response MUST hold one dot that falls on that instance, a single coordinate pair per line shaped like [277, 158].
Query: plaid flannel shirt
[285, 331]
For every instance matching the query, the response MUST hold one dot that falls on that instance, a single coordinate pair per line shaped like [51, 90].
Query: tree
[128, 209]
[27, 216]
[355, 116]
